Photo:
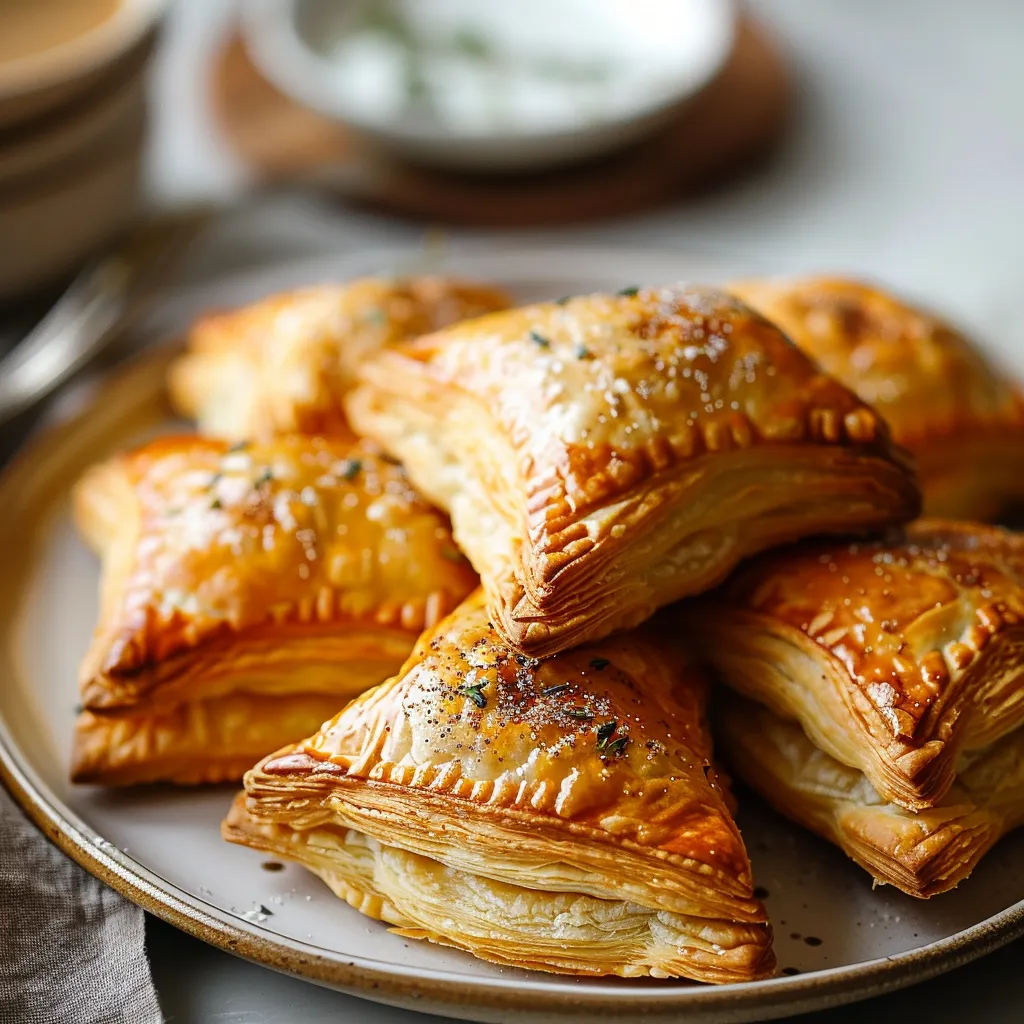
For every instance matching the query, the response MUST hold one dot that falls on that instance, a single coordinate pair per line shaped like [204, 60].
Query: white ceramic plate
[161, 846]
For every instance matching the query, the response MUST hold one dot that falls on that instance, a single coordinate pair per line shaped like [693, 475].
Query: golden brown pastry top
[906, 615]
[927, 379]
[598, 392]
[609, 737]
[282, 364]
[200, 538]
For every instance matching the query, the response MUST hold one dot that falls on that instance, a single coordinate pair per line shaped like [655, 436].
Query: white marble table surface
[906, 161]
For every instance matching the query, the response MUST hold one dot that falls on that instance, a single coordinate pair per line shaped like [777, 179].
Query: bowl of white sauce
[492, 85]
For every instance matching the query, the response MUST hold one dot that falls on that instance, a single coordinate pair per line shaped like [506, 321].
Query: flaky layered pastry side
[923, 853]
[896, 655]
[561, 815]
[606, 455]
[282, 364]
[246, 592]
[960, 415]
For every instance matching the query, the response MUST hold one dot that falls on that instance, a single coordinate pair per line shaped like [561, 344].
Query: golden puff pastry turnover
[922, 854]
[247, 591]
[282, 364]
[606, 455]
[561, 815]
[895, 655]
[943, 399]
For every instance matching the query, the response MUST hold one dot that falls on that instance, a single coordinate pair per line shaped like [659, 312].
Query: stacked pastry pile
[533, 781]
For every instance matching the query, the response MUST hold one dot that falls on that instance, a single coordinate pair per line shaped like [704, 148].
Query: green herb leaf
[453, 555]
[582, 352]
[616, 747]
[474, 693]
[553, 691]
[351, 470]
[470, 44]
[264, 478]
[605, 731]
[214, 480]
[628, 292]
[563, 300]
[216, 503]
[539, 340]
[599, 664]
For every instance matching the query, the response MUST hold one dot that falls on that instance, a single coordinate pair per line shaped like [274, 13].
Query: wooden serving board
[734, 120]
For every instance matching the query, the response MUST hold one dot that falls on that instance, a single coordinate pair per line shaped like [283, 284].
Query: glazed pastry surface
[604, 456]
[293, 574]
[895, 655]
[922, 854]
[943, 399]
[561, 815]
[283, 364]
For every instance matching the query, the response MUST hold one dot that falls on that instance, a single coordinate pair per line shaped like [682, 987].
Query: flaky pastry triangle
[561, 815]
[283, 364]
[247, 591]
[895, 655]
[604, 456]
[942, 397]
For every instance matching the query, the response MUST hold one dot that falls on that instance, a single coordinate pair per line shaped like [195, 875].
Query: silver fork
[104, 300]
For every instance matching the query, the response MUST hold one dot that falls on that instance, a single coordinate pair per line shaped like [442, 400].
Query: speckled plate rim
[135, 392]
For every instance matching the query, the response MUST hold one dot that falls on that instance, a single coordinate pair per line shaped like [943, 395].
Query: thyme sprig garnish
[608, 743]
[474, 691]
[352, 469]
[553, 691]
[539, 340]
[629, 292]
[616, 747]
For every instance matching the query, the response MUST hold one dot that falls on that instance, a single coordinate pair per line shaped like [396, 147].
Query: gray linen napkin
[72, 951]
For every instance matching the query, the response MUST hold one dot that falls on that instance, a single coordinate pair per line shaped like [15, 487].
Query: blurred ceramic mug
[72, 129]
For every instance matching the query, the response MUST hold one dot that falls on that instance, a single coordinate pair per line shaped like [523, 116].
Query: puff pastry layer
[559, 815]
[610, 454]
[894, 655]
[282, 365]
[246, 592]
[923, 854]
[961, 417]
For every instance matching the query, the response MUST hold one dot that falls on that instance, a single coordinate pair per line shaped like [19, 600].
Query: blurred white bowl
[34, 84]
[488, 86]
